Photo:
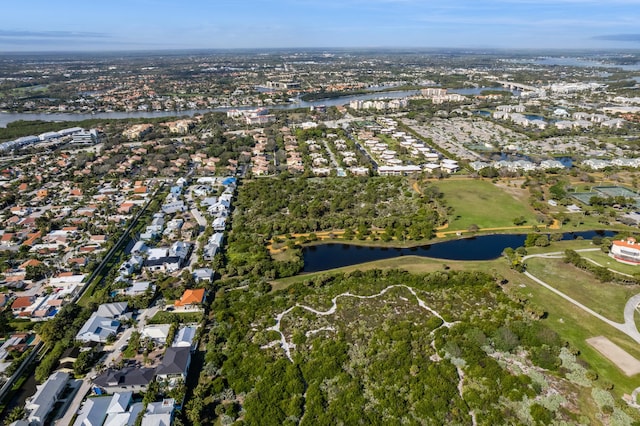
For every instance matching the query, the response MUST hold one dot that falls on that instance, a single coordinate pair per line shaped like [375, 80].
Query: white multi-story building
[626, 251]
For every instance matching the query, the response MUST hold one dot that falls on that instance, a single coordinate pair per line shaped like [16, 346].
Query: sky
[114, 25]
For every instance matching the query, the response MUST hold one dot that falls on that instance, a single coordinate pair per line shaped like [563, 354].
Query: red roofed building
[626, 251]
[21, 303]
[191, 299]
[30, 262]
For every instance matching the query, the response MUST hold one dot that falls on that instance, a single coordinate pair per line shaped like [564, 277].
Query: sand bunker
[614, 353]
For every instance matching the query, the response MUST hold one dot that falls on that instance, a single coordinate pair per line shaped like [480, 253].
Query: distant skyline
[73, 25]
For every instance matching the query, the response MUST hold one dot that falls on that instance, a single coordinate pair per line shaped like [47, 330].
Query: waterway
[486, 247]
[9, 117]
[20, 396]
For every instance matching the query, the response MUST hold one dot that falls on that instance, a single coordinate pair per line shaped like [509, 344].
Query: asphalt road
[110, 357]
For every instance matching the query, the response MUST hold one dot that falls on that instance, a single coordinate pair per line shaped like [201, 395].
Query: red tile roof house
[98, 239]
[21, 304]
[191, 299]
[30, 262]
[7, 239]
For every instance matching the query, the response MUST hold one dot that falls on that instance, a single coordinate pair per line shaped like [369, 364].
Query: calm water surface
[485, 247]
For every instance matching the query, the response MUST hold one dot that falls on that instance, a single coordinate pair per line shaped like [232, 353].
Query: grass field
[575, 326]
[484, 204]
[607, 299]
[607, 261]
[164, 317]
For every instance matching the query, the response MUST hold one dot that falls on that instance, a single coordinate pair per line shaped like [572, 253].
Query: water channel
[486, 247]
[9, 117]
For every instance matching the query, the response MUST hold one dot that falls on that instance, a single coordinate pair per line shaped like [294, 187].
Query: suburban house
[156, 332]
[159, 413]
[203, 274]
[175, 364]
[22, 304]
[626, 251]
[113, 310]
[213, 245]
[168, 259]
[127, 378]
[98, 329]
[69, 356]
[93, 411]
[121, 411]
[166, 263]
[42, 402]
[186, 338]
[191, 299]
[138, 288]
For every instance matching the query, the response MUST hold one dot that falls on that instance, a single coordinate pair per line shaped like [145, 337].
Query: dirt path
[286, 346]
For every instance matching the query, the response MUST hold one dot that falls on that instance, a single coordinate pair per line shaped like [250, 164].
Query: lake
[485, 247]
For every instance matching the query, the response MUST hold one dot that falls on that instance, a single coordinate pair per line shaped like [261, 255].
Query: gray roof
[93, 412]
[165, 406]
[175, 361]
[119, 402]
[156, 420]
[184, 337]
[98, 329]
[46, 396]
[127, 376]
[112, 310]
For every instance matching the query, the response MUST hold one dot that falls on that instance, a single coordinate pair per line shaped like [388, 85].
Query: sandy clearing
[614, 353]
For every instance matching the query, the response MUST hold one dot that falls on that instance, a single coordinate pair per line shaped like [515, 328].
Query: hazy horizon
[148, 25]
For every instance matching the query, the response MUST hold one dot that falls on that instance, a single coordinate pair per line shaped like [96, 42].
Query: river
[9, 117]
[484, 247]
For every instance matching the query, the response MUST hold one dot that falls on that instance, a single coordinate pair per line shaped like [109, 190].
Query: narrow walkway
[609, 269]
[628, 327]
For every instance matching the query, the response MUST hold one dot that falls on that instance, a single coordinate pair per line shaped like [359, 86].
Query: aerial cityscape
[283, 213]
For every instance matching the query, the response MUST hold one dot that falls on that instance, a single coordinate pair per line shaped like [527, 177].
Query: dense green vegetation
[384, 208]
[280, 206]
[385, 359]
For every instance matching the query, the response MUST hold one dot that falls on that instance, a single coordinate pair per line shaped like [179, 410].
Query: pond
[485, 247]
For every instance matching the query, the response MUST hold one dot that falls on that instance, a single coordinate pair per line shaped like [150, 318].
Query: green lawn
[609, 262]
[413, 264]
[575, 326]
[166, 317]
[482, 203]
[607, 299]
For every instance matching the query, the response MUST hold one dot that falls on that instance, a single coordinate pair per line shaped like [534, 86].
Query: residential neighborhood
[182, 245]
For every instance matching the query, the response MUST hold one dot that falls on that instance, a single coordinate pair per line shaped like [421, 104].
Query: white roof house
[120, 402]
[185, 337]
[157, 332]
[42, 402]
[98, 329]
[163, 419]
[93, 411]
[127, 418]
